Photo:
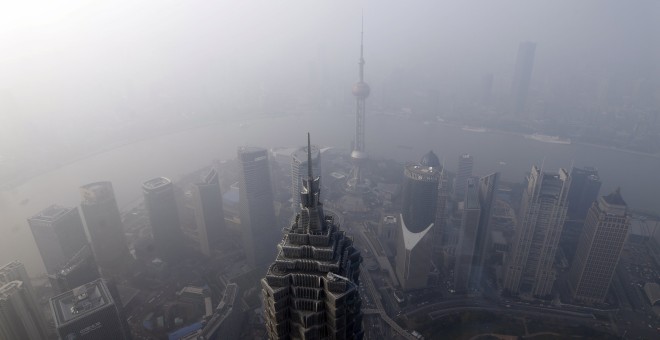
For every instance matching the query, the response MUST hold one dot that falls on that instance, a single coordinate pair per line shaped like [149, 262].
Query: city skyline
[150, 166]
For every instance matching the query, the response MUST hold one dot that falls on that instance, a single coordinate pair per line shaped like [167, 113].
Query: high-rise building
[299, 170]
[473, 236]
[89, 312]
[585, 186]
[20, 316]
[80, 269]
[59, 234]
[529, 267]
[105, 227]
[361, 91]
[418, 215]
[256, 205]
[522, 77]
[465, 164]
[488, 186]
[599, 248]
[209, 213]
[160, 201]
[15, 271]
[311, 291]
[471, 213]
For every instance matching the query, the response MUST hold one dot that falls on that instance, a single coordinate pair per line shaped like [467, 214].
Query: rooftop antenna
[309, 158]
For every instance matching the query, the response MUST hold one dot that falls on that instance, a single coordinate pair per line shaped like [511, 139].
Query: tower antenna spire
[362, 50]
[309, 158]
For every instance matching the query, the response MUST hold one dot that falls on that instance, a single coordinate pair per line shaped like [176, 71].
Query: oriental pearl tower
[358, 156]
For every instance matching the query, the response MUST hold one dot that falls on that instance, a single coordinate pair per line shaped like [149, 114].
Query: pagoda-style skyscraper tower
[361, 92]
[311, 291]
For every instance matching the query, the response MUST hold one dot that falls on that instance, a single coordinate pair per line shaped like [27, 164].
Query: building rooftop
[80, 301]
[430, 160]
[300, 155]
[156, 183]
[51, 214]
[93, 192]
[615, 198]
[9, 288]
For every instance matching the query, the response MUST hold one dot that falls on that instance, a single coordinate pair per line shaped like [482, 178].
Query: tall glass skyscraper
[164, 217]
[256, 205]
[105, 227]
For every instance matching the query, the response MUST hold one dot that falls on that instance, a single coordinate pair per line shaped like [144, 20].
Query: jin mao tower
[311, 290]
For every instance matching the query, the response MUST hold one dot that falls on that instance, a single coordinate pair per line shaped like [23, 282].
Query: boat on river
[548, 139]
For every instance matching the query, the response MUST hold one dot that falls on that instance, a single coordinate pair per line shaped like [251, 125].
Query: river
[387, 137]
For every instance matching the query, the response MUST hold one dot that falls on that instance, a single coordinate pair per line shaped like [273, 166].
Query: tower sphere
[361, 90]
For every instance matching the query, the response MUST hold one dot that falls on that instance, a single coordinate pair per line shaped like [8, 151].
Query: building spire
[310, 175]
[361, 63]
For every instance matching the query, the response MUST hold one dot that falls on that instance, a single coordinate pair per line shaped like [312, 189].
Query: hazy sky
[81, 59]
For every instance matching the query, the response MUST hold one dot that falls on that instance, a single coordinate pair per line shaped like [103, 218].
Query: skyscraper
[467, 236]
[465, 164]
[311, 290]
[59, 235]
[80, 269]
[418, 215]
[20, 316]
[209, 213]
[522, 77]
[529, 267]
[583, 192]
[599, 248]
[164, 217]
[299, 170]
[585, 186]
[21, 297]
[487, 191]
[105, 227]
[257, 213]
[89, 312]
[361, 91]
[471, 250]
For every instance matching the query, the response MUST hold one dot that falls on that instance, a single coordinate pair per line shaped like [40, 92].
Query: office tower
[529, 268]
[473, 236]
[89, 312]
[164, 218]
[311, 290]
[299, 170]
[20, 316]
[80, 269]
[522, 77]
[487, 191]
[471, 212]
[599, 249]
[361, 91]
[418, 214]
[209, 213]
[257, 213]
[583, 192]
[15, 271]
[105, 227]
[465, 163]
[585, 186]
[59, 235]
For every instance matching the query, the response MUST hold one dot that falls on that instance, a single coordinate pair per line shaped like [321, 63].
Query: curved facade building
[311, 291]
[418, 215]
